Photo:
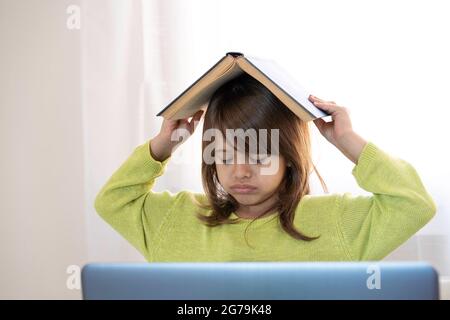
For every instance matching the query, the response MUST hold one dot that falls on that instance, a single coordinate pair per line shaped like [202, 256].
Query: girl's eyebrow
[262, 151]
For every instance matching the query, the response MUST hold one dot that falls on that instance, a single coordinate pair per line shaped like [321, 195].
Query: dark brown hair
[245, 103]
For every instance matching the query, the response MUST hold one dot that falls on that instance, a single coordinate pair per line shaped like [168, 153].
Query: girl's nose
[242, 171]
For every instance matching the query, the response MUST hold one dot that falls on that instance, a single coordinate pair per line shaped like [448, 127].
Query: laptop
[260, 281]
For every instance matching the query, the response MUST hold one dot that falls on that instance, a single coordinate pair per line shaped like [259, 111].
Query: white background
[75, 103]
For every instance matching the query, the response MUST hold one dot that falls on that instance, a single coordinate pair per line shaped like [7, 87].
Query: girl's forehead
[229, 144]
[239, 147]
[224, 145]
[242, 141]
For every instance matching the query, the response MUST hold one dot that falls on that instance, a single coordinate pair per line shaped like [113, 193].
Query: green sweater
[164, 228]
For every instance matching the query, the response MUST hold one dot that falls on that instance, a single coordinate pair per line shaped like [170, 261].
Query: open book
[267, 72]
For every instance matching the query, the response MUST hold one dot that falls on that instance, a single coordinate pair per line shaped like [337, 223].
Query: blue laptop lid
[260, 281]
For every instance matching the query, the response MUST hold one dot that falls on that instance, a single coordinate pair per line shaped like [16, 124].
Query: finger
[198, 115]
[311, 98]
[327, 106]
[195, 119]
[314, 98]
[319, 123]
[195, 115]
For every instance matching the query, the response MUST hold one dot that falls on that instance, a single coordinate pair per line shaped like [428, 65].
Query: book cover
[268, 72]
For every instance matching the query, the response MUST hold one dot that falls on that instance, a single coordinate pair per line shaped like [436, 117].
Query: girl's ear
[289, 164]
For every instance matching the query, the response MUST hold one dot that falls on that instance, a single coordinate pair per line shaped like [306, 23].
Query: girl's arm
[127, 201]
[371, 227]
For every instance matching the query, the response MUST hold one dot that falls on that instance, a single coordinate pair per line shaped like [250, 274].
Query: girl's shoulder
[193, 199]
[319, 201]
[317, 207]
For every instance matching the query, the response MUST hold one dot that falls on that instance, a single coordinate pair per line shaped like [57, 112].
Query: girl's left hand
[335, 130]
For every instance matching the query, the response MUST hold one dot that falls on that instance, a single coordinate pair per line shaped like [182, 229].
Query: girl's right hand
[168, 138]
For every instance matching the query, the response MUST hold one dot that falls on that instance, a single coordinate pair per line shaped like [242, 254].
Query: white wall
[42, 225]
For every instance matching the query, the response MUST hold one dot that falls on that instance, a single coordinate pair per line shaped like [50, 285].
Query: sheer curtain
[138, 55]
[112, 83]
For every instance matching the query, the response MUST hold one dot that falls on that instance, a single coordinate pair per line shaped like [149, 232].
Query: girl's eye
[227, 161]
[261, 160]
[258, 161]
[223, 159]
[230, 161]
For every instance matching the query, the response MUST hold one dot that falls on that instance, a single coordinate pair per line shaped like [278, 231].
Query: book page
[287, 82]
[200, 99]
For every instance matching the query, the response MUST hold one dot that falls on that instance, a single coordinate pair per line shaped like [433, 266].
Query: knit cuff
[143, 153]
[368, 161]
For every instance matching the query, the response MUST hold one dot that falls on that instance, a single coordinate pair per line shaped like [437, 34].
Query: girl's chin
[245, 195]
[247, 199]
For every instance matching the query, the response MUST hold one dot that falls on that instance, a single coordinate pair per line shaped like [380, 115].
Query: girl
[276, 212]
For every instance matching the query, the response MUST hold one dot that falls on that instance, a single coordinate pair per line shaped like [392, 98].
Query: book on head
[268, 72]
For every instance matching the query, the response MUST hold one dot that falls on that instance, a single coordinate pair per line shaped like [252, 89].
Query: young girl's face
[247, 181]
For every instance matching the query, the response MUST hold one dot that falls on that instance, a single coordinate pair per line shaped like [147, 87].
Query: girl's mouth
[244, 189]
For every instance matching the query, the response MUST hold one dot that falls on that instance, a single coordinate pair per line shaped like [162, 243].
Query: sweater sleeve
[373, 226]
[128, 204]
